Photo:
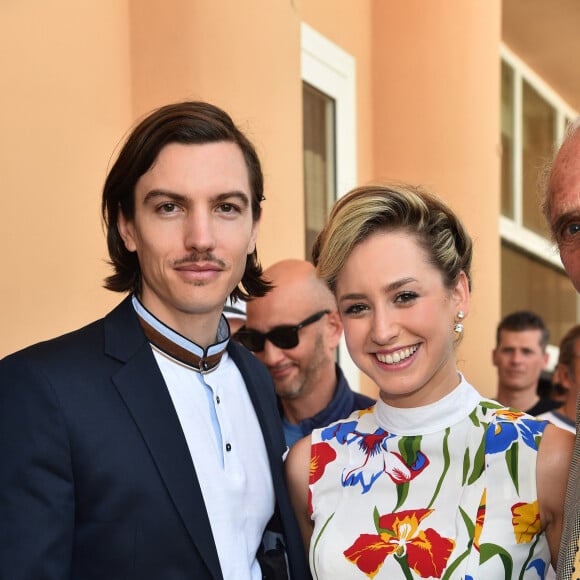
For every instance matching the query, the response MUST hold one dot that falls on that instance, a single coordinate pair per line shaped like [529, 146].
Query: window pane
[530, 284]
[539, 132]
[507, 140]
[319, 160]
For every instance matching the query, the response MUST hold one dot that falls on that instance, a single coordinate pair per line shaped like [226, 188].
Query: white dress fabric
[442, 491]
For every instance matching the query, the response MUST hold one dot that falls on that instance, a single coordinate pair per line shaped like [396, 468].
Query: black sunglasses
[283, 336]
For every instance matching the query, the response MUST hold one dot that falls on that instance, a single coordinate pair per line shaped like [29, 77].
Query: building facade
[334, 93]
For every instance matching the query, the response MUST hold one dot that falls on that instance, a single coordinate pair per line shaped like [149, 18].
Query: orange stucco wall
[436, 101]
[428, 113]
[64, 103]
[76, 75]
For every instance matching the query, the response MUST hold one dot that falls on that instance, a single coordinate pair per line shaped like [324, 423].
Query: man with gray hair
[562, 210]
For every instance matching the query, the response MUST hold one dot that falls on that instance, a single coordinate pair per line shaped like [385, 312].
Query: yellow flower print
[526, 521]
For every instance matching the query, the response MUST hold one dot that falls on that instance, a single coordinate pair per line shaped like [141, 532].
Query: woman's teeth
[398, 356]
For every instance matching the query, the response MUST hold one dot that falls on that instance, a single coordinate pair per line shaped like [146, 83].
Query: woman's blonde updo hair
[385, 208]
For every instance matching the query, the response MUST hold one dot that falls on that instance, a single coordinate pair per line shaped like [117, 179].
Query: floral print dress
[443, 491]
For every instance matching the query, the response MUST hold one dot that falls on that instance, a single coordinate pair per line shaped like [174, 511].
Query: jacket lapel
[261, 392]
[141, 385]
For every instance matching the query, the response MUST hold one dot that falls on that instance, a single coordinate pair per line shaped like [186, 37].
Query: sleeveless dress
[443, 491]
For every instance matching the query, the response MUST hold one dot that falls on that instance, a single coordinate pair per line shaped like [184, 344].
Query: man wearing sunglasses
[295, 330]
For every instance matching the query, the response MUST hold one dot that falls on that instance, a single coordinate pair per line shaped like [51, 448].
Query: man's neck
[520, 400]
[306, 405]
[200, 329]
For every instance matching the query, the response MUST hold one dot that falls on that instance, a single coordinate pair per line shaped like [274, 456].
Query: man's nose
[271, 355]
[199, 231]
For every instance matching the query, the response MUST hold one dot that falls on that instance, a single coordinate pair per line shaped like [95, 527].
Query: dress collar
[448, 411]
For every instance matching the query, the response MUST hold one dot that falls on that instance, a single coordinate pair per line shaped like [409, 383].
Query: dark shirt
[542, 406]
[344, 402]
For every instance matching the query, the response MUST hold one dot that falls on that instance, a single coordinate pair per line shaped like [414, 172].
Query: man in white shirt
[147, 445]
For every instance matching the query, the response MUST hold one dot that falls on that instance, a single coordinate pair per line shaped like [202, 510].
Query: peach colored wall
[436, 103]
[244, 57]
[427, 95]
[64, 101]
[428, 98]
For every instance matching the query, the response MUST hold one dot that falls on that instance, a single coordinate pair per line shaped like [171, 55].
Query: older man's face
[565, 207]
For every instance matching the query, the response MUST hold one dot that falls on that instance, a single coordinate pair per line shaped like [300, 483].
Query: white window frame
[513, 230]
[332, 71]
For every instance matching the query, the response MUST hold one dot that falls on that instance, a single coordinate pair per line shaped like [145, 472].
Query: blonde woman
[434, 481]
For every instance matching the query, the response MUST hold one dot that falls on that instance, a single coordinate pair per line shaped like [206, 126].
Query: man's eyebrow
[240, 195]
[185, 199]
[156, 193]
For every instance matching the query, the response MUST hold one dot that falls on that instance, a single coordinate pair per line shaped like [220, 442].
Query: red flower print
[424, 551]
[321, 455]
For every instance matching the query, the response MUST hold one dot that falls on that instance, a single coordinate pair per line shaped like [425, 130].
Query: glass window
[319, 161]
[507, 141]
[531, 284]
[538, 136]
[533, 119]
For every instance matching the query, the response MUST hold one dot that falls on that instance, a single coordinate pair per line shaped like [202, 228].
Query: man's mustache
[200, 257]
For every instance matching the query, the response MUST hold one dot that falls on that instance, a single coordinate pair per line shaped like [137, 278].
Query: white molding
[513, 231]
[530, 242]
[537, 82]
[331, 70]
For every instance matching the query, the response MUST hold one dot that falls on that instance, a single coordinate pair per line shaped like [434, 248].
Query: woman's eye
[405, 297]
[355, 309]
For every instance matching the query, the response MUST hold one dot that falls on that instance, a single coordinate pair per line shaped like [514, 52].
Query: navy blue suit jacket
[96, 479]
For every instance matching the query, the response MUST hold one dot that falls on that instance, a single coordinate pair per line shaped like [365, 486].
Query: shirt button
[228, 447]
[217, 400]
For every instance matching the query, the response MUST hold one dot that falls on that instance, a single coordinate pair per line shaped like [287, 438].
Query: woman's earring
[458, 328]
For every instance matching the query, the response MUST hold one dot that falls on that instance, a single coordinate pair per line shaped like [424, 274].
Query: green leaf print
[404, 566]
[474, 418]
[447, 461]
[408, 447]
[530, 556]
[478, 463]
[485, 405]
[377, 519]
[511, 459]
[316, 544]
[471, 531]
[487, 551]
[469, 525]
[402, 493]
[466, 463]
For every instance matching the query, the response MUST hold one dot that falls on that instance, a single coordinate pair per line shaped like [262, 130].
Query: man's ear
[565, 378]
[253, 237]
[127, 232]
[546, 359]
[334, 325]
